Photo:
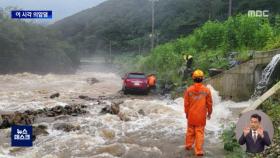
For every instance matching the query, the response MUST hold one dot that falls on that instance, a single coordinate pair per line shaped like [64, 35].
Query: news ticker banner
[31, 14]
[21, 136]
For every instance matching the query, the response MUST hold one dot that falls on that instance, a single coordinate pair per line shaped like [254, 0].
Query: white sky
[60, 8]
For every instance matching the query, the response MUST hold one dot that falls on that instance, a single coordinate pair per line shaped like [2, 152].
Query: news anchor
[254, 136]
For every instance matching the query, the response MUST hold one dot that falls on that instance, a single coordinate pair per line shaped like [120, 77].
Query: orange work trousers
[195, 135]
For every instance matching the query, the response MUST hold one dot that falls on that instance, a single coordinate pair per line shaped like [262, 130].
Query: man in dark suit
[254, 136]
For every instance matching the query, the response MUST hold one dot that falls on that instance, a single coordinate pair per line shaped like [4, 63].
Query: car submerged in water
[135, 82]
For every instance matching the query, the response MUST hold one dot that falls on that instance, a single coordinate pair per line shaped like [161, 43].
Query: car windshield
[138, 76]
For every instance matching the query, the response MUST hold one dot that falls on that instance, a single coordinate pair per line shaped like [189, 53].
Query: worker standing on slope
[188, 61]
[186, 69]
[198, 107]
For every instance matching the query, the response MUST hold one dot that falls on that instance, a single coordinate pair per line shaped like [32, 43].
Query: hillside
[32, 48]
[127, 23]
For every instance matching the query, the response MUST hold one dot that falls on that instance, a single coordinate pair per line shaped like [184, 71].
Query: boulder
[123, 116]
[112, 109]
[66, 127]
[141, 112]
[6, 121]
[58, 109]
[39, 130]
[106, 109]
[50, 114]
[115, 108]
[55, 95]
[86, 98]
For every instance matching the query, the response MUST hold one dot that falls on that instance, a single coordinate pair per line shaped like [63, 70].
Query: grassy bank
[210, 45]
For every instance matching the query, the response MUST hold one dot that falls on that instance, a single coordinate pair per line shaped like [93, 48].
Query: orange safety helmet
[197, 74]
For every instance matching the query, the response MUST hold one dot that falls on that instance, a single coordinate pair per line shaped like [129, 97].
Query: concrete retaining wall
[238, 83]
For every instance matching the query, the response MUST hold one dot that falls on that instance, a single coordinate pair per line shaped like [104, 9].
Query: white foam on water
[34, 105]
[55, 143]
[158, 116]
[262, 86]
[166, 117]
[222, 114]
[26, 91]
[161, 116]
[242, 104]
[4, 153]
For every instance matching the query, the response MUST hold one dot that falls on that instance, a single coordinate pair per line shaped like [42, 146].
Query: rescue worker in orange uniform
[152, 81]
[198, 107]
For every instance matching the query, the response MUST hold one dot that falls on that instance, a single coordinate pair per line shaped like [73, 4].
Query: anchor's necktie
[255, 136]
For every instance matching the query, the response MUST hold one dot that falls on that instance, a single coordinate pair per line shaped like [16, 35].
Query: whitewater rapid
[102, 135]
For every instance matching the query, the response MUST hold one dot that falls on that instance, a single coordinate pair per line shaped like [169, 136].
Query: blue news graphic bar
[31, 14]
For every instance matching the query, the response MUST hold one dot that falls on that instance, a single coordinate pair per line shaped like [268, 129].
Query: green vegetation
[274, 42]
[128, 26]
[231, 146]
[210, 45]
[28, 47]
[125, 27]
[272, 108]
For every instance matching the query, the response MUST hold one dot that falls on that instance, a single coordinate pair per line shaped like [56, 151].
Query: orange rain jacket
[151, 80]
[197, 103]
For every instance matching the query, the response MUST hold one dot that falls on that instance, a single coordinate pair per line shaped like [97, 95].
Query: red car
[135, 82]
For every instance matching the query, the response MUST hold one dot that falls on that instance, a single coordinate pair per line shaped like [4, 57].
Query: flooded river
[155, 129]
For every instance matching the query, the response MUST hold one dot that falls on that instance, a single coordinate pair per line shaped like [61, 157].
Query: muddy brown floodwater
[155, 127]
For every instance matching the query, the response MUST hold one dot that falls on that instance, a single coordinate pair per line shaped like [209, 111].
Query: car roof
[137, 73]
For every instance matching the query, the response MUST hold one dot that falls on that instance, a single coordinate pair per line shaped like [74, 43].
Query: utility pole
[139, 48]
[153, 24]
[229, 8]
[110, 51]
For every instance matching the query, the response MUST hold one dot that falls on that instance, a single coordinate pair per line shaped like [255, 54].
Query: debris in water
[86, 98]
[55, 95]
[66, 127]
[39, 130]
[92, 81]
[114, 108]
[141, 112]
